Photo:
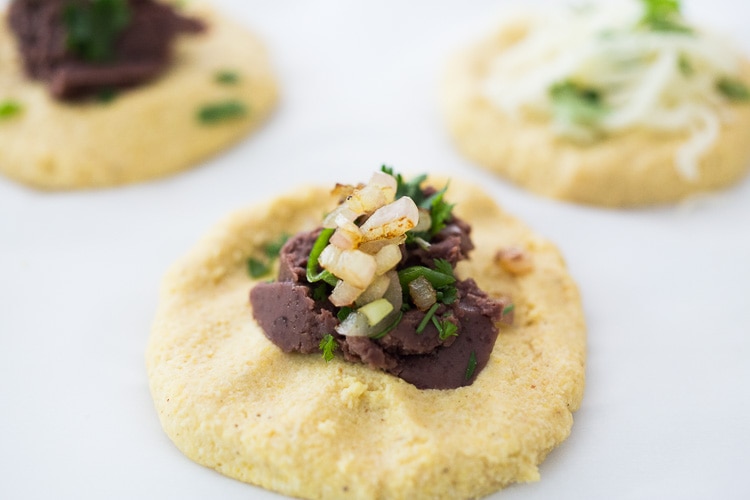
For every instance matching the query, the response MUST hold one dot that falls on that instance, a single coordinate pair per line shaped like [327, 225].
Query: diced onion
[374, 246]
[387, 258]
[425, 221]
[375, 291]
[353, 266]
[422, 293]
[344, 294]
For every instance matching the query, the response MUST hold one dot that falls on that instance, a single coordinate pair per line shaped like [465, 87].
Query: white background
[666, 290]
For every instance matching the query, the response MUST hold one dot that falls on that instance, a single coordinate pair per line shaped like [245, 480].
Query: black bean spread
[83, 47]
[428, 327]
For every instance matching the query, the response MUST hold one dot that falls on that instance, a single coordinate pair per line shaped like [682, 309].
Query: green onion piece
[313, 275]
[734, 90]
[436, 278]
[221, 111]
[227, 77]
[257, 268]
[430, 313]
[9, 109]
[328, 345]
[472, 366]
[388, 328]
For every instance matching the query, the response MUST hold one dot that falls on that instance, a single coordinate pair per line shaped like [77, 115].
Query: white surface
[666, 291]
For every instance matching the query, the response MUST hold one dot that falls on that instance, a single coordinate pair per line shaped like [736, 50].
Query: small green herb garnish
[106, 95]
[343, 313]
[576, 104]
[685, 66]
[9, 109]
[445, 328]
[221, 111]
[320, 292]
[93, 27]
[227, 77]
[663, 15]
[328, 345]
[313, 275]
[437, 279]
[427, 317]
[509, 309]
[258, 268]
[734, 90]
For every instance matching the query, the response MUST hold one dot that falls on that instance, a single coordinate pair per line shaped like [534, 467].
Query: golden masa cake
[292, 423]
[144, 133]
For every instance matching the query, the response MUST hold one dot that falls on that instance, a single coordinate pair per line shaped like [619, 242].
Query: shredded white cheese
[661, 80]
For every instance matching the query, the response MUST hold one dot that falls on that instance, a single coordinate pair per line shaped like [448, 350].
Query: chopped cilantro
[685, 66]
[94, 26]
[221, 111]
[106, 95]
[388, 328]
[257, 268]
[328, 345]
[427, 317]
[574, 103]
[445, 328]
[734, 90]
[443, 266]
[320, 292]
[9, 109]
[509, 308]
[227, 77]
[447, 295]
[663, 15]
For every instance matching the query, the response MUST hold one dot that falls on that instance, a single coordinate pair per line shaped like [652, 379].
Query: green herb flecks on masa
[9, 109]
[258, 268]
[574, 103]
[211, 114]
[227, 77]
[94, 26]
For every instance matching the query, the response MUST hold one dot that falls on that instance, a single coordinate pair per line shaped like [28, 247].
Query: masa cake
[633, 163]
[231, 400]
[145, 132]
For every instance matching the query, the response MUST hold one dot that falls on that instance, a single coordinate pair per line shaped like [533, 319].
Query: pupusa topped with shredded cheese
[602, 68]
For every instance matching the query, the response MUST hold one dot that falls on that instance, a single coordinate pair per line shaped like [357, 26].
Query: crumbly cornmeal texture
[146, 132]
[292, 423]
[632, 168]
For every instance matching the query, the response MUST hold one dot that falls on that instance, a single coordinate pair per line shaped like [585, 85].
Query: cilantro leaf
[445, 329]
[663, 15]
[257, 268]
[94, 26]
[443, 266]
[574, 103]
[9, 109]
[328, 345]
[509, 309]
[734, 90]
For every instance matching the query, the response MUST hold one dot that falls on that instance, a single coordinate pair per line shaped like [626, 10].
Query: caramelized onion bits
[515, 261]
[422, 293]
[391, 220]
[353, 266]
